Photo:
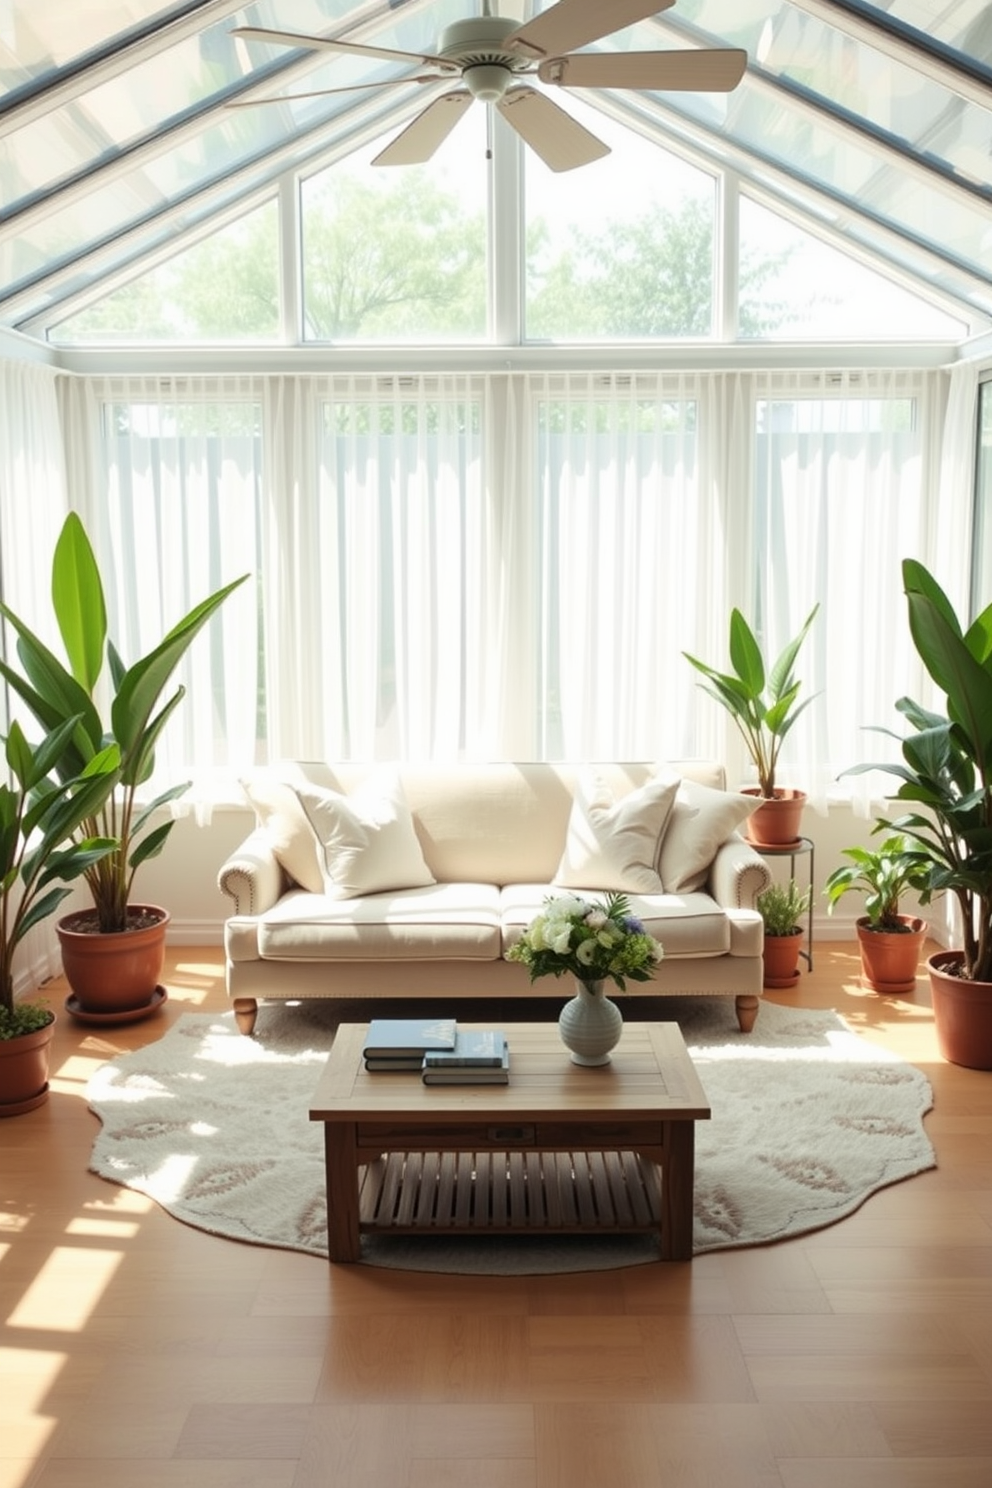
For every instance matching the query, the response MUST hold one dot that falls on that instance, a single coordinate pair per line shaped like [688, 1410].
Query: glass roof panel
[964, 25]
[897, 159]
[39, 37]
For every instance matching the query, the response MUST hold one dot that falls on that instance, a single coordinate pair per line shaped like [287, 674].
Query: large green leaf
[965, 681]
[780, 677]
[77, 598]
[745, 655]
[142, 683]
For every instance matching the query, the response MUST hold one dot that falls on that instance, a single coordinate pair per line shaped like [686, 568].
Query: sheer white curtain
[844, 492]
[512, 565]
[627, 570]
[404, 545]
[32, 508]
[171, 504]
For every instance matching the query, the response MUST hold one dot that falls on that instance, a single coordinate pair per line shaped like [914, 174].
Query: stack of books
[439, 1050]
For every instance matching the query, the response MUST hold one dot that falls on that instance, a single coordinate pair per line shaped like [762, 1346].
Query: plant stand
[801, 848]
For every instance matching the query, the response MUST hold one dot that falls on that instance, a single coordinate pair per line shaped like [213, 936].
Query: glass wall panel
[399, 254]
[223, 289]
[641, 265]
[793, 285]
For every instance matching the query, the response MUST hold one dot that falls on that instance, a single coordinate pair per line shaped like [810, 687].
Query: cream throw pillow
[290, 833]
[701, 819]
[613, 845]
[367, 843]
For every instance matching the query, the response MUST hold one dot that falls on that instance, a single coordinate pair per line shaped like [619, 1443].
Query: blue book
[408, 1038]
[476, 1048]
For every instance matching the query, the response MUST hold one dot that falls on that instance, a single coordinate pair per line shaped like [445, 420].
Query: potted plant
[782, 908]
[763, 702]
[113, 953]
[946, 773]
[890, 942]
[38, 816]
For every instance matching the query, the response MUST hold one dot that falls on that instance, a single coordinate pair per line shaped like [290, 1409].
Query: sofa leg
[747, 1012]
[245, 1013]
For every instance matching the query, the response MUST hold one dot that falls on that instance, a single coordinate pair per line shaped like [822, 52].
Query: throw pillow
[613, 845]
[701, 819]
[290, 833]
[367, 841]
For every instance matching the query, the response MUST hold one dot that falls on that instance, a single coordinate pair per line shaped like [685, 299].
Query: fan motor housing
[478, 42]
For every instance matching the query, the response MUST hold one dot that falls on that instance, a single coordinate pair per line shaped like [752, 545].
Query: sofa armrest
[252, 875]
[738, 874]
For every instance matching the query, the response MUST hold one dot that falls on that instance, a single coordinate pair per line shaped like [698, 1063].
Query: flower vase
[590, 1025]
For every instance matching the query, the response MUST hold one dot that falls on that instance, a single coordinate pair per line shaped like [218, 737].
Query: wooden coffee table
[560, 1148]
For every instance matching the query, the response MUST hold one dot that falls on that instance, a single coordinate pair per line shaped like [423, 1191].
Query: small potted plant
[782, 908]
[112, 954]
[763, 702]
[38, 816]
[890, 942]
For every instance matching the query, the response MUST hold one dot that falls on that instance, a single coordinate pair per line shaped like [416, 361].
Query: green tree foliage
[651, 276]
[407, 263]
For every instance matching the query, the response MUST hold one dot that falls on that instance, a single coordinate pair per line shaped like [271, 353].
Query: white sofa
[368, 882]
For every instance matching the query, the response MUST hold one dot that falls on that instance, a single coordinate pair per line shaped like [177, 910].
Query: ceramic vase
[590, 1025]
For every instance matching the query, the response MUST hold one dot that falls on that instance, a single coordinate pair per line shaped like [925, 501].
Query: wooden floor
[138, 1353]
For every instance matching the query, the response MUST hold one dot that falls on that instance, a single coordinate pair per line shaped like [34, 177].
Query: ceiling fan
[489, 55]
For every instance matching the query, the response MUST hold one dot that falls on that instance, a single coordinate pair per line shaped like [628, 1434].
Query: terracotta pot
[890, 958]
[116, 973]
[24, 1070]
[781, 954]
[962, 1013]
[777, 821]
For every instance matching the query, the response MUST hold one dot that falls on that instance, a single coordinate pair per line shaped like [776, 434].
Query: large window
[981, 590]
[512, 565]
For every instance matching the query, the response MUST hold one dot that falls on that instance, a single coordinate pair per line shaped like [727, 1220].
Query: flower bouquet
[592, 940]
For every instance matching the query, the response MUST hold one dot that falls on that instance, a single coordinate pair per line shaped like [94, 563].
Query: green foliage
[946, 768]
[410, 264]
[782, 907]
[402, 265]
[62, 700]
[883, 875]
[22, 1018]
[37, 816]
[762, 702]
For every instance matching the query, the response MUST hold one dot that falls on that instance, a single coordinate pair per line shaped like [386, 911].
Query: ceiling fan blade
[576, 23]
[325, 43]
[561, 142]
[430, 77]
[427, 132]
[715, 71]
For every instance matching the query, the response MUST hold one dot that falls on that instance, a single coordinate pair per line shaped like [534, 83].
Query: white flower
[560, 940]
[585, 951]
[596, 919]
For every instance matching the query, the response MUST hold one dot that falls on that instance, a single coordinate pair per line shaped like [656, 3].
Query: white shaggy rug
[808, 1120]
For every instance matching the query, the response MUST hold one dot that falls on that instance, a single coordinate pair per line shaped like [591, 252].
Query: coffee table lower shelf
[511, 1192]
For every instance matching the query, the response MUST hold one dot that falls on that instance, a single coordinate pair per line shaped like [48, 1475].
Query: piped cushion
[613, 844]
[293, 840]
[700, 820]
[367, 842]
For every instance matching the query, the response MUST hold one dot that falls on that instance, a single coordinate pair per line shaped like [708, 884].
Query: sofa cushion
[613, 844]
[367, 842]
[440, 922]
[700, 820]
[688, 925]
[294, 844]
